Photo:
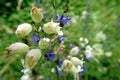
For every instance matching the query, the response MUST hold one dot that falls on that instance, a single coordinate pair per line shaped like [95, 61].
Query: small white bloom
[23, 29]
[76, 61]
[83, 41]
[18, 48]
[67, 64]
[44, 43]
[100, 36]
[108, 54]
[52, 27]
[74, 51]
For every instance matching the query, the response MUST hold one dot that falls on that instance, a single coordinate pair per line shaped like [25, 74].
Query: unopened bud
[18, 48]
[23, 29]
[32, 58]
[74, 51]
[36, 14]
[44, 43]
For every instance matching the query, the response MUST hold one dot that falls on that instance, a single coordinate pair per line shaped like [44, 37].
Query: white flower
[52, 27]
[67, 64]
[74, 51]
[97, 50]
[26, 77]
[32, 58]
[108, 54]
[18, 48]
[83, 41]
[23, 29]
[76, 61]
[44, 43]
[100, 36]
[36, 14]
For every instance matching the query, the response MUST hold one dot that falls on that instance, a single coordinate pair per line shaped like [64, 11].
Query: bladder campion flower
[18, 48]
[23, 29]
[32, 58]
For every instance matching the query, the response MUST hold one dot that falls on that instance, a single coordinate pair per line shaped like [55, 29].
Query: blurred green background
[104, 16]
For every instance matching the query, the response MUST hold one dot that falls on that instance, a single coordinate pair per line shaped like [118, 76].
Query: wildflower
[71, 45]
[67, 64]
[74, 51]
[32, 58]
[62, 39]
[35, 38]
[76, 61]
[83, 41]
[23, 29]
[18, 48]
[108, 54]
[50, 56]
[63, 20]
[44, 43]
[52, 27]
[100, 36]
[36, 14]
[60, 62]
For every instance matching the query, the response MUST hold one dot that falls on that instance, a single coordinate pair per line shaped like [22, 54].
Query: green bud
[36, 14]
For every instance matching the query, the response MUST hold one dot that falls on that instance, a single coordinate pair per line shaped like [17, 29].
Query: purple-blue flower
[50, 56]
[60, 62]
[63, 20]
[71, 45]
[35, 38]
[61, 39]
[89, 58]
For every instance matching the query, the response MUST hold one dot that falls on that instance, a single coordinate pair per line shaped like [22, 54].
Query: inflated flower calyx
[36, 14]
[74, 51]
[76, 61]
[23, 29]
[32, 58]
[44, 43]
[18, 48]
[67, 64]
[52, 27]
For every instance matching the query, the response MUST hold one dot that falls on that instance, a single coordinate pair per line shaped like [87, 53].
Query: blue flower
[35, 38]
[60, 62]
[61, 39]
[50, 56]
[63, 20]
[71, 45]
[89, 58]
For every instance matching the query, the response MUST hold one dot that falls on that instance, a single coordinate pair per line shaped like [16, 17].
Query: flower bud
[23, 29]
[76, 61]
[74, 51]
[32, 58]
[67, 64]
[36, 14]
[44, 43]
[51, 28]
[18, 48]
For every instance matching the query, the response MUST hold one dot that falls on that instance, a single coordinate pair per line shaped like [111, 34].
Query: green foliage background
[105, 16]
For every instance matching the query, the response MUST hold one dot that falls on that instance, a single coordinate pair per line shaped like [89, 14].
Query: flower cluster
[51, 48]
